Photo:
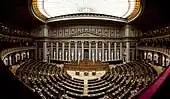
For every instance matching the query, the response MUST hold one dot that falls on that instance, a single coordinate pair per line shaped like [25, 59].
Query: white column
[69, 51]
[63, 50]
[96, 50]
[75, 50]
[127, 34]
[121, 51]
[106, 55]
[22, 56]
[10, 60]
[45, 51]
[28, 54]
[57, 51]
[127, 29]
[115, 50]
[16, 57]
[45, 31]
[93, 54]
[89, 50]
[102, 51]
[127, 51]
[112, 54]
[82, 51]
[51, 50]
[109, 50]
[66, 56]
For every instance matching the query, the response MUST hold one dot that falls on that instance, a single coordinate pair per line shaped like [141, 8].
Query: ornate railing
[164, 51]
[6, 52]
[14, 39]
[157, 32]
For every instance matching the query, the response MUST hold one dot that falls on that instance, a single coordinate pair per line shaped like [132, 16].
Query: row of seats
[51, 82]
[48, 80]
[123, 81]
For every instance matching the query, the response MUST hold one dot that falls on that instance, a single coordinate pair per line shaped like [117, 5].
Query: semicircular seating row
[52, 83]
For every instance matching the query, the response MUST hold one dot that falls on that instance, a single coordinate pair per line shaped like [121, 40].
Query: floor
[86, 78]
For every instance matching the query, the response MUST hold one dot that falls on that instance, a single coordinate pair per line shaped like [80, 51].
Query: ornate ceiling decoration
[122, 9]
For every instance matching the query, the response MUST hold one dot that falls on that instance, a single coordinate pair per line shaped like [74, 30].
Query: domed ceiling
[122, 9]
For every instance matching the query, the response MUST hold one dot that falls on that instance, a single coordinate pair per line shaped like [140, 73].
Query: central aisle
[86, 78]
[85, 91]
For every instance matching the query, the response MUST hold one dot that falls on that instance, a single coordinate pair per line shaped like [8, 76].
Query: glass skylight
[119, 8]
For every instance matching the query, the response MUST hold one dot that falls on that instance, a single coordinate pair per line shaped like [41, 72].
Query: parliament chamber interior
[84, 49]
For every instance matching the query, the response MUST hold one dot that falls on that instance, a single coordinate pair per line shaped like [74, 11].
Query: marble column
[115, 50]
[89, 50]
[10, 60]
[52, 54]
[45, 31]
[75, 50]
[57, 51]
[103, 51]
[146, 55]
[63, 50]
[96, 50]
[28, 54]
[127, 30]
[82, 50]
[121, 51]
[45, 51]
[109, 51]
[25, 55]
[69, 51]
[127, 34]
[127, 51]
[22, 55]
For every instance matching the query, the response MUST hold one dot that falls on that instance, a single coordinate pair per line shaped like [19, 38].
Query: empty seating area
[123, 82]
[48, 80]
[51, 82]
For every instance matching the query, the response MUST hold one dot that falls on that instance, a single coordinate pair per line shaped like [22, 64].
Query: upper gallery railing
[163, 50]
[6, 52]
[6, 30]
[157, 32]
